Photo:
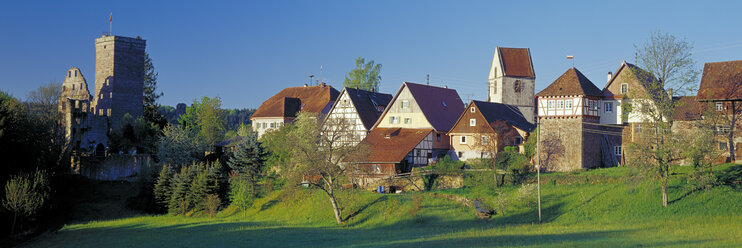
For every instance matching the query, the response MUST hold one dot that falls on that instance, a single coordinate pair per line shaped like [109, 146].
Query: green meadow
[598, 208]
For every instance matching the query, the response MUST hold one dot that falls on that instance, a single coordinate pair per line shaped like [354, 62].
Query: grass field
[603, 207]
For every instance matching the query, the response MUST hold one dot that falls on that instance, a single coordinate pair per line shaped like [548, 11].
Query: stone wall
[560, 147]
[115, 167]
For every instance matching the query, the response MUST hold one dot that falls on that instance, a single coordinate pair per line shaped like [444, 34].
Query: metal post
[538, 165]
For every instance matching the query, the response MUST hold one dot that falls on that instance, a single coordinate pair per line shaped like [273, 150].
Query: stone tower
[119, 77]
[512, 80]
[74, 103]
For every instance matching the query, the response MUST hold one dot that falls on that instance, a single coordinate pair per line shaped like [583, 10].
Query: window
[377, 168]
[560, 104]
[405, 104]
[417, 153]
[463, 140]
[273, 124]
[551, 104]
[484, 140]
[472, 122]
[617, 150]
[608, 107]
[517, 141]
[719, 106]
[624, 88]
[461, 154]
[518, 86]
[638, 129]
[394, 119]
[438, 137]
[472, 109]
[723, 146]
[407, 120]
[568, 104]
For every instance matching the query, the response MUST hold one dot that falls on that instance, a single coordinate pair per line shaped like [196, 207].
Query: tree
[151, 106]
[134, 133]
[44, 100]
[366, 76]
[669, 65]
[249, 160]
[319, 158]
[492, 141]
[180, 183]
[25, 195]
[277, 142]
[239, 194]
[207, 117]
[162, 190]
[180, 146]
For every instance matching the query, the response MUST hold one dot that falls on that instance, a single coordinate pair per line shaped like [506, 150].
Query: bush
[732, 177]
[517, 165]
[212, 203]
[527, 195]
[240, 194]
[25, 195]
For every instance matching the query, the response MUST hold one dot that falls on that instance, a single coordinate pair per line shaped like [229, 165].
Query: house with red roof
[721, 88]
[285, 106]
[412, 130]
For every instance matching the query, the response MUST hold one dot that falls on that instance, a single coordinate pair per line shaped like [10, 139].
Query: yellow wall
[412, 111]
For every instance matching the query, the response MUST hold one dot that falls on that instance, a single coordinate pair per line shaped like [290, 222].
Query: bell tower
[512, 80]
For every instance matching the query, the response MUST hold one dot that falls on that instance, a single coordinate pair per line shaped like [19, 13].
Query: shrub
[240, 194]
[517, 165]
[25, 195]
[212, 203]
[527, 195]
[732, 177]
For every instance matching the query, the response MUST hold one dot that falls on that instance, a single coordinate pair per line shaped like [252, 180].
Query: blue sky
[247, 51]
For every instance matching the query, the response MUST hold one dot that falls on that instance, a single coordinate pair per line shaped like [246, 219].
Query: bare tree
[669, 65]
[44, 99]
[492, 141]
[319, 154]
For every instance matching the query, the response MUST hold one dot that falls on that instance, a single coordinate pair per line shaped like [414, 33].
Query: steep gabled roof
[571, 83]
[641, 76]
[721, 81]
[367, 104]
[516, 62]
[290, 101]
[441, 106]
[391, 145]
[687, 108]
[510, 114]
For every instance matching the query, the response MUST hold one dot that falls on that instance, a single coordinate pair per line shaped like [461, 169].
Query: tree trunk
[335, 207]
[731, 132]
[12, 228]
[663, 181]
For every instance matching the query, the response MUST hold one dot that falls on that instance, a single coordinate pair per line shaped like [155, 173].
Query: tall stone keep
[512, 80]
[119, 76]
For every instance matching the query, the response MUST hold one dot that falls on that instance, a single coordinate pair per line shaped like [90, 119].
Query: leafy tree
[277, 142]
[366, 76]
[180, 146]
[239, 194]
[134, 133]
[517, 165]
[207, 117]
[162, 190]
[25, 195]
[151, 106]
[319, 159]
[249, 160]
[669, 65]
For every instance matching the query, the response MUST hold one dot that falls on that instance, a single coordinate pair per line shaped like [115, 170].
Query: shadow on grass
[351, 215]
[429, 232]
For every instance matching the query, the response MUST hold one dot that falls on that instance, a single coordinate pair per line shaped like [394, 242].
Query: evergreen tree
[162, 190]
[198, 187]
[179, 198]
[151, 106]
[249, 160]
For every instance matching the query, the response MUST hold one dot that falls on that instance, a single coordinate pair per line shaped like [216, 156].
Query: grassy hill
[603, 207]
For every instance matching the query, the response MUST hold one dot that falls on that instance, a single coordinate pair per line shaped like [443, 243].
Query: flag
[570, 57]
[110, 18]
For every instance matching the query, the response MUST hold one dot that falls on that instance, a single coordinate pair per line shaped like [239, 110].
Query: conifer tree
[179, 198]
[162, 190]
[249, 160]
[198, 187]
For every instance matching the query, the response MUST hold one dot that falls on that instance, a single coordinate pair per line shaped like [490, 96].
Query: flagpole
[110, 24]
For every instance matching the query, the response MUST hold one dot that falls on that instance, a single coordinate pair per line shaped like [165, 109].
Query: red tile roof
[571, 83]
[391, 145]
[721, 81]
[516, 62]
[288, 102]
[441, 106]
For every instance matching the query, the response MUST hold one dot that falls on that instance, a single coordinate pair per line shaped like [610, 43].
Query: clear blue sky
[245, 52]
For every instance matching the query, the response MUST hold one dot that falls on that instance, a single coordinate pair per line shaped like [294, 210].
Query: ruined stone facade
[119, 89]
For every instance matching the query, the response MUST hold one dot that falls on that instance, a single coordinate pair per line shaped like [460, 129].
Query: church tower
[512, 80]
[119, 77]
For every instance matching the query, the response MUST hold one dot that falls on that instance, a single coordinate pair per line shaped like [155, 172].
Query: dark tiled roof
[687, 108]
[571, 83]
[366, 103]
[229, 142]
[503, 112]
[288, 102]
[516, 62]
[391, 145]
[441, 106]
[721, 81]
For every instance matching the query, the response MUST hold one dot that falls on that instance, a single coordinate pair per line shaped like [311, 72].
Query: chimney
[305, 85]
[610, 75]
[322, 84]
[445, 86]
